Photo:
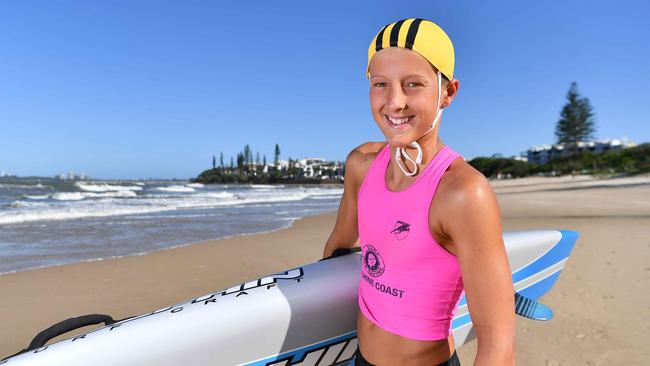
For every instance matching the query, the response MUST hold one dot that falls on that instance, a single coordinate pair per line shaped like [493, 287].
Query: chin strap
[400, 153]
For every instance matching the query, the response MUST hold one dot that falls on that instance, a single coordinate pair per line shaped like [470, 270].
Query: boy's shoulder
[462, 182]
[360, 158]
[364, 154]
[366, 150]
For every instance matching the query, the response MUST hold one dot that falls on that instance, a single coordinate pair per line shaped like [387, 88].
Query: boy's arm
[473, 223]
[346, 232]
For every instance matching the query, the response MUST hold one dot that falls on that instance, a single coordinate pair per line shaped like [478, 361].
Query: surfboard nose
[538, 277]
[570, 237]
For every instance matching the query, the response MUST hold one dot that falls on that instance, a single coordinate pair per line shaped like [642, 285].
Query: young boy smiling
[427, 222]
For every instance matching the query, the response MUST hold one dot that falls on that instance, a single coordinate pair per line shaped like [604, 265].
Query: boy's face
[403, 86]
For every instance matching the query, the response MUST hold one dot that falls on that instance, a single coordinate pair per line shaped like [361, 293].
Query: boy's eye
[413, 84]
[380, 84]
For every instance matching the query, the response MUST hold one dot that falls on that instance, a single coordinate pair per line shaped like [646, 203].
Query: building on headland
[314, 168]
[318, 167]
[541, 154]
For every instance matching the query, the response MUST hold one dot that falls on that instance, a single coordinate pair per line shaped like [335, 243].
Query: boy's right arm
[345, 232]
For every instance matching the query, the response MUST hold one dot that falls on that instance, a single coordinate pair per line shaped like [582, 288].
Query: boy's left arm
[473, 223]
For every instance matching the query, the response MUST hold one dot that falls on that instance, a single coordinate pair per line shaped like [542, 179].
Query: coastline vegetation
[256, 175]
[634, 160]
[257, 171]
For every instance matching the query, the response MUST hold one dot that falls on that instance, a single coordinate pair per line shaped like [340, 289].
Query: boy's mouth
[398, 122]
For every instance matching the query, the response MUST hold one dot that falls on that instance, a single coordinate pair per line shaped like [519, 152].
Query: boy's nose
[396, 99]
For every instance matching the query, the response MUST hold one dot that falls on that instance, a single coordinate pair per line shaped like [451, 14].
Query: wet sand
[601, 301]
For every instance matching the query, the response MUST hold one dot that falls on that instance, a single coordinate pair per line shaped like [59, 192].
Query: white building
[282, 164]
[541, 154]
[314, 167]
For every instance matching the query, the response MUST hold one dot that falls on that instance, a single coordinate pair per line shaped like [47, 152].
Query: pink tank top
[410, 285]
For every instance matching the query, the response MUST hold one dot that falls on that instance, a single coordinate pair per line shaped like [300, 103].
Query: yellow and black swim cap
[420, 35]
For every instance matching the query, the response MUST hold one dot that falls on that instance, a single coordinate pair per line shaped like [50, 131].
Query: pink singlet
[410, 285]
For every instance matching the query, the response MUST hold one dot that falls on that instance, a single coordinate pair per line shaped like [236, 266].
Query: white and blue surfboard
[303, 316]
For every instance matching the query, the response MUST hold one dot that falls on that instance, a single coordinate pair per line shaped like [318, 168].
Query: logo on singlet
[401, 230]
[372, 261]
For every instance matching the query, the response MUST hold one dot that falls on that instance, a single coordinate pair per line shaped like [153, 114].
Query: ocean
[54, 223]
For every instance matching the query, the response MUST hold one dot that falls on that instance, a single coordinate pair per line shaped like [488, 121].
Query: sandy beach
[601, 301]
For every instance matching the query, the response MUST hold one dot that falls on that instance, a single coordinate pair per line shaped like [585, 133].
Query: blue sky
[122, 89]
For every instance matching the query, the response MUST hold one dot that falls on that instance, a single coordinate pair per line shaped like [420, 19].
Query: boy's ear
[453, 87]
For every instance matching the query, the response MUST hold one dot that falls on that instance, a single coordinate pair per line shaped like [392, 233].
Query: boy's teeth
[399, 121]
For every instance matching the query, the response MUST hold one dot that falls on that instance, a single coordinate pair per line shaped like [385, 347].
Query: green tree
[240, 161]
[496, 167]
[221, 160]
[577, 122]
[214, 161]
[277, 155]
[247, 155]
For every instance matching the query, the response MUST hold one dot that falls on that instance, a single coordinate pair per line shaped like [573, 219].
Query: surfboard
[302, 316]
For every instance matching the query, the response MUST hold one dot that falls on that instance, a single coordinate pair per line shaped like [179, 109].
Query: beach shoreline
[138, 254]
[606, 275]
[45, 226]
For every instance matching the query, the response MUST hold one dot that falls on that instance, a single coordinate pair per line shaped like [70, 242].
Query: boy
[428, 223]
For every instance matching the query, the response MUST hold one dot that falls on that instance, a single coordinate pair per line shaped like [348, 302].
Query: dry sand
[601, 301]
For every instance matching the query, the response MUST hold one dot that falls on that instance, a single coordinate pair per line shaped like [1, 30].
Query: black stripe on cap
[380, 37]
[413, 31]
[394, 33]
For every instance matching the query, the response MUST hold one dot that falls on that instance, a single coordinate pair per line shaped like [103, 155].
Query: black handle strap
[342, 251]
[63, 327]
[66, 326]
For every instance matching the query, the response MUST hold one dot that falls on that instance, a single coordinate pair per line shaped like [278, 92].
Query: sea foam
[179, 189]
[106, 187]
